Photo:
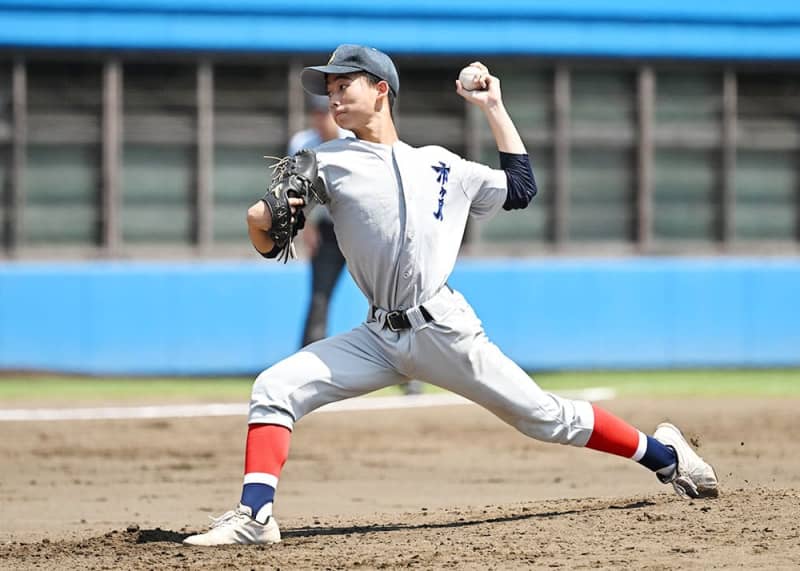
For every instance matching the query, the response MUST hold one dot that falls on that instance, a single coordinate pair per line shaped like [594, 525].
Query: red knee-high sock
[265, 455]
[267, 449]
[615, 436]
[612, 434]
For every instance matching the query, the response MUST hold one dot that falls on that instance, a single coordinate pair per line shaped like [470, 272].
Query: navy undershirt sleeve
[519, 176]
[271, 254]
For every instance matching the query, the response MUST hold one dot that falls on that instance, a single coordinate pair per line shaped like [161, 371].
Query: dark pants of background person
[326, 265]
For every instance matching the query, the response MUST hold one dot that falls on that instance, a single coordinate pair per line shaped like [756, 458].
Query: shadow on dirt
[160, 535]
[364, 529]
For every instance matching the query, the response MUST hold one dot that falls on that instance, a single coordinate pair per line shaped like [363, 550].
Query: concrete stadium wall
[737, 29]
[238, 318]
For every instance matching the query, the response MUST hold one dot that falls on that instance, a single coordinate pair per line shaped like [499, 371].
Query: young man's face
[352, 100]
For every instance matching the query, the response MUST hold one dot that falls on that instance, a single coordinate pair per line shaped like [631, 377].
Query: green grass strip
[673, 383]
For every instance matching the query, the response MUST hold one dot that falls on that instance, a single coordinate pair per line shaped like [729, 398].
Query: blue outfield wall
[238, 318]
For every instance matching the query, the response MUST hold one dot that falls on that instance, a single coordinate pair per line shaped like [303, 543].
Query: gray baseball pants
[452, 352]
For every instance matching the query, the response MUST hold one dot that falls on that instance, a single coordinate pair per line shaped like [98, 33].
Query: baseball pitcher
[400, 214]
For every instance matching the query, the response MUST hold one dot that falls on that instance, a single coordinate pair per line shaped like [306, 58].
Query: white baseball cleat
[693, 477]
[237, 527]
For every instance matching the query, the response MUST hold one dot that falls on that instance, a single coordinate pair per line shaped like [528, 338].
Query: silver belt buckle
[389, 317]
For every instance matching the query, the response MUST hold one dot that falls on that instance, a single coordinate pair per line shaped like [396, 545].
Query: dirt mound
[751, 529]
[427, 489]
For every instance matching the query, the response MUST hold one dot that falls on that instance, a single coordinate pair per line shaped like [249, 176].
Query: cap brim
[313, 78]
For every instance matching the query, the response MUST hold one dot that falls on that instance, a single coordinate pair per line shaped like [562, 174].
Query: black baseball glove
[292, 177]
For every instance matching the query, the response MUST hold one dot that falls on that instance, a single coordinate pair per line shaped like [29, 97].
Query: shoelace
[685, 487]
[227, 518]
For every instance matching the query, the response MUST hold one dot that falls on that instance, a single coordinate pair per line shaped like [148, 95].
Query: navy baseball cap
[349, 58]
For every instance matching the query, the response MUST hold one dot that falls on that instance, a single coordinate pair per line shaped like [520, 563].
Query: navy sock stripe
[256, 496]
[657, 456]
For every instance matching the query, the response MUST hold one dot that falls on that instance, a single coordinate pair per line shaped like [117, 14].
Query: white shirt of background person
[322, 129]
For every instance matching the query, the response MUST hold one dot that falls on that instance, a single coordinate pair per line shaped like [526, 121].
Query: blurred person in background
[327, 260]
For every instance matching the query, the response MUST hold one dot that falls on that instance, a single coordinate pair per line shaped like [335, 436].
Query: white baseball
[469, 78]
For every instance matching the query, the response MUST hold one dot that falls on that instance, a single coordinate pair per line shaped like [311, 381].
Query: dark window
[62, 176]
[250, 121]
[159, 153]
[602, 160]
[768, 153]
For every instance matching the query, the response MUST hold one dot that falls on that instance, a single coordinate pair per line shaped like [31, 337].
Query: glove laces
[278, 168]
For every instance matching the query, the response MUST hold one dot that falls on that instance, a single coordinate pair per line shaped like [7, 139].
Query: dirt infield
[435, 488]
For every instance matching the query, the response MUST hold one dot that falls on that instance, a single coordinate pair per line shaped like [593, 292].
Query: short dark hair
[373, 80]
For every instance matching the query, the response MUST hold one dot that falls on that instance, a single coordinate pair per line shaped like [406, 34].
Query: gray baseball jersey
[399, 213]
